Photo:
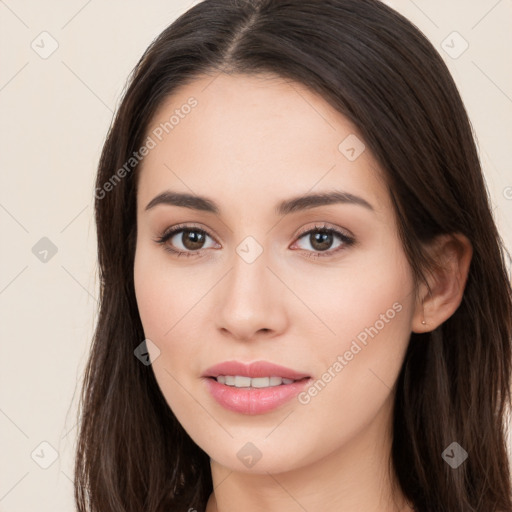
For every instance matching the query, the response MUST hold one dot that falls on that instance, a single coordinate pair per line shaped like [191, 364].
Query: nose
[251, 301]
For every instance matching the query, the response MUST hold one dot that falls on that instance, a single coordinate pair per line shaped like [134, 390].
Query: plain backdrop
[63, 68]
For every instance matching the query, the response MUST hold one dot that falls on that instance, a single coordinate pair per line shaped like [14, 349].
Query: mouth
[255, 388]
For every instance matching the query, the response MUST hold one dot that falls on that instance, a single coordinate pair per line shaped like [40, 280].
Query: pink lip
[253, 400]
[256, 369]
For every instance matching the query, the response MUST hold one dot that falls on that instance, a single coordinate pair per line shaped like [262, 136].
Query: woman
[304, 299]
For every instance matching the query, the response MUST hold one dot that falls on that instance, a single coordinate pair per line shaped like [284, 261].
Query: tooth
[260, 382]
[242, 382]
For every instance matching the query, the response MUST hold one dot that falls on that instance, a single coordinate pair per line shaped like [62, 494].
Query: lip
[252, 401]
[255, 369]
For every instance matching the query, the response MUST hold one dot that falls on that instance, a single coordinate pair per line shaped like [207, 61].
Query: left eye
[321, 240]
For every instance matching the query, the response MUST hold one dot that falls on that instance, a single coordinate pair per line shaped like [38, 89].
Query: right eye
[185, 240]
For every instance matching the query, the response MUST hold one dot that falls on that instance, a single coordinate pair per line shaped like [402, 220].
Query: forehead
[251, 137]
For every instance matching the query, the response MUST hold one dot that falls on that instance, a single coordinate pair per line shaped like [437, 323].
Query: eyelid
[183, 227]
[319, 225]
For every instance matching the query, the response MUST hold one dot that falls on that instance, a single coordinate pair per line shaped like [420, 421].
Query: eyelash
[347, 240]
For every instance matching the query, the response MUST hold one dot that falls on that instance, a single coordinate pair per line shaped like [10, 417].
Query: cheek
[161, 294]
[151, 299]
[369, 297]
[163, 301]
[370, 313]
[374, 306]
[170, 303]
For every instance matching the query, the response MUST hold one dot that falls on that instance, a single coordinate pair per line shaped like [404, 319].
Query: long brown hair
[377, 69]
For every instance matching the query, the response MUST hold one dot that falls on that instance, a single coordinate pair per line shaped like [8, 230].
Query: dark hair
[377, 69]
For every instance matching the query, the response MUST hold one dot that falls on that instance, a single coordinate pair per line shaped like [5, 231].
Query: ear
[453, 253]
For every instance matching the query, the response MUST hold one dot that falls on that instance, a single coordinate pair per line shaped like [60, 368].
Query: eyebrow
[285, 207]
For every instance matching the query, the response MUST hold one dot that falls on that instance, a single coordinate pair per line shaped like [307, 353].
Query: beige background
[54, 114]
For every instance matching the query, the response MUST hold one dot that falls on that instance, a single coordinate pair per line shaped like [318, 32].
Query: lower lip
[254, 400]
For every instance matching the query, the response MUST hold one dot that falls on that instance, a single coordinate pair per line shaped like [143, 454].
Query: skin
[251, 142]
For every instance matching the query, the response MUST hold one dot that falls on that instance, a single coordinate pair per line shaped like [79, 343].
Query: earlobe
[452, 253]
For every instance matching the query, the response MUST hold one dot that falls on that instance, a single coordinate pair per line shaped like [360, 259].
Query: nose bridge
[249, 299]
[248, 278]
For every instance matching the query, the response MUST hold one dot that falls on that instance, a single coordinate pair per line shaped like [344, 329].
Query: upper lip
[255, 369]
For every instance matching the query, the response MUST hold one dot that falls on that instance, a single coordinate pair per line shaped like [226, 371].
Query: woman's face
[322, 288]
